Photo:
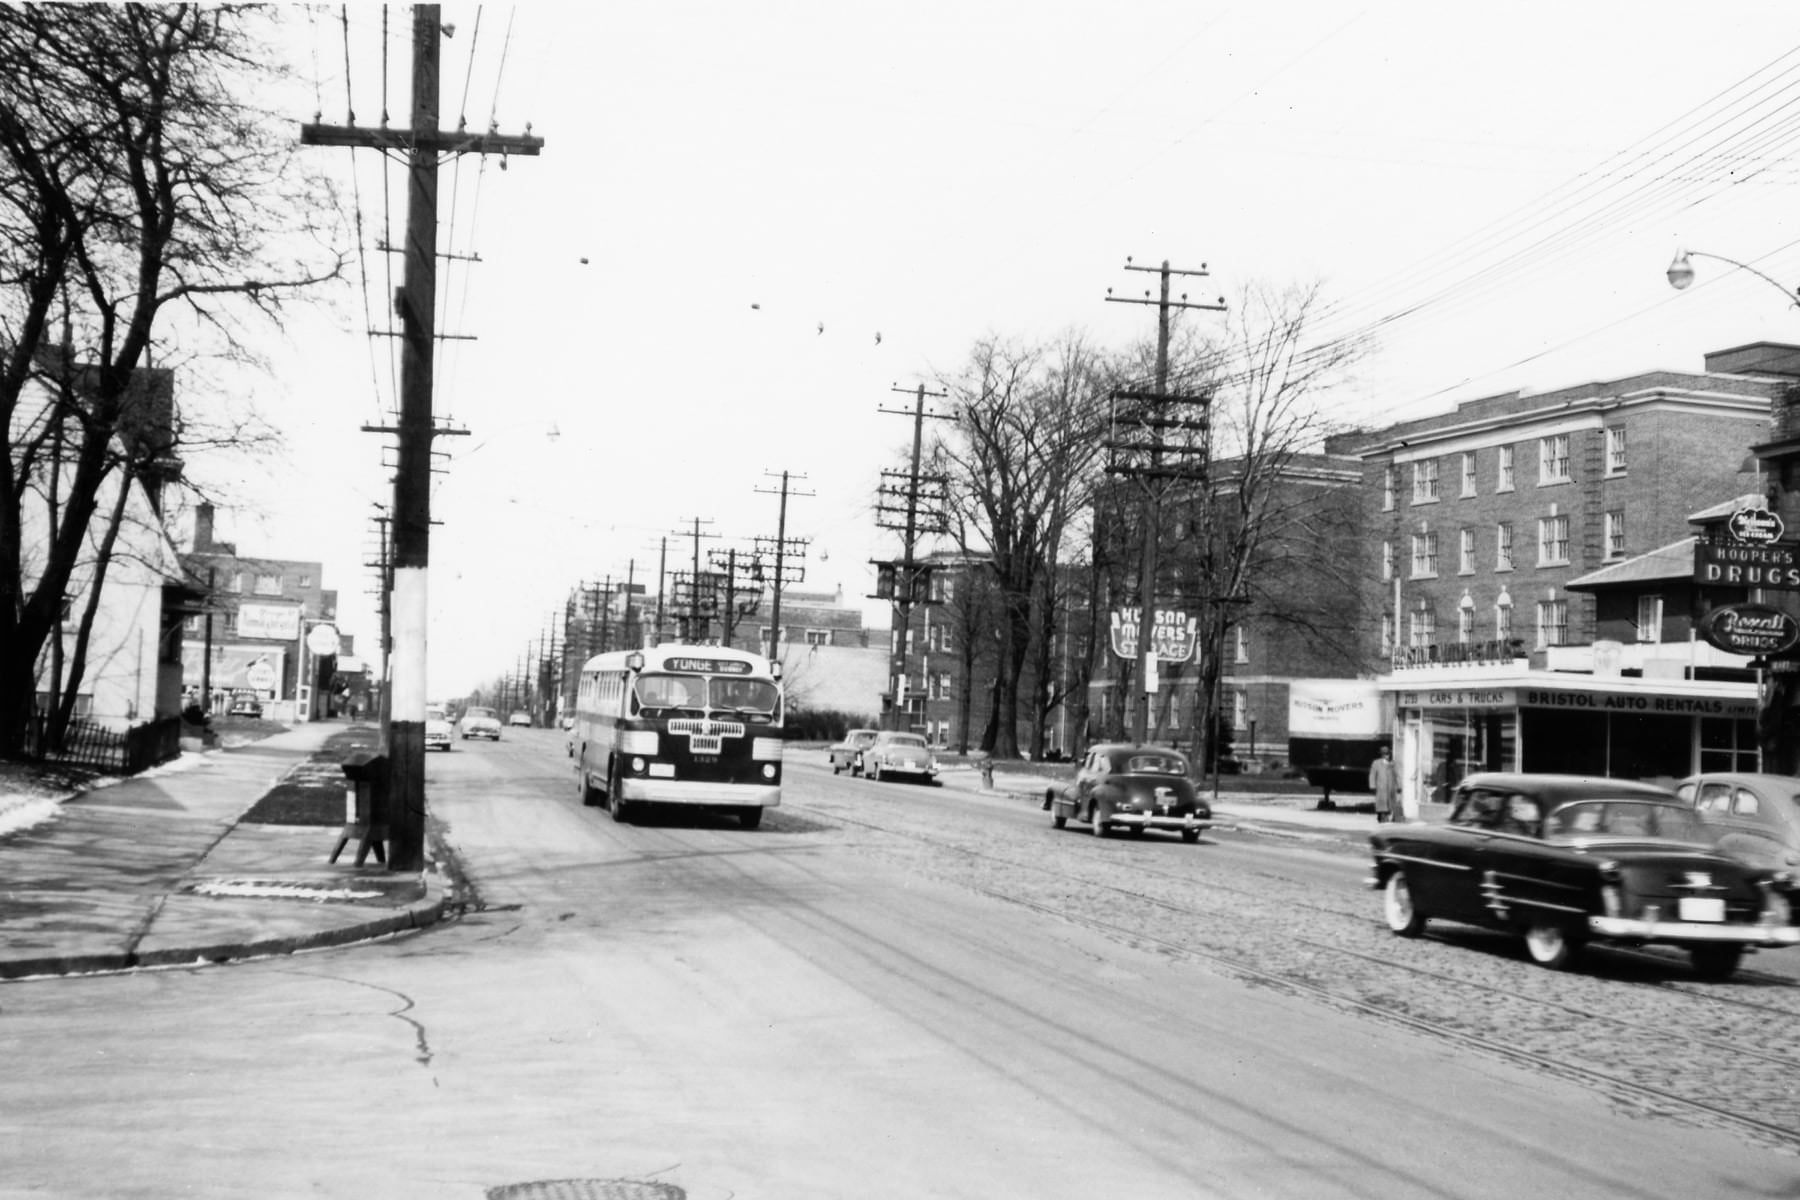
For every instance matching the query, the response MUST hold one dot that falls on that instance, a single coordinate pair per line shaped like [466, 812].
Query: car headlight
[1776, 908]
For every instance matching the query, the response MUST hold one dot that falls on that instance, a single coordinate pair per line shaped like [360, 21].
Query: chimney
[203, 528]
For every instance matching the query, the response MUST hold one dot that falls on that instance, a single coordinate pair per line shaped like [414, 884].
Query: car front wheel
[1098, 820]
[1550, 945]
[1397, 906]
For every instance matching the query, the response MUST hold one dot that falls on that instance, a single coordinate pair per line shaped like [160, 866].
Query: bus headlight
[768, 770]
[765, 749]
[637, 766]
[638, 741]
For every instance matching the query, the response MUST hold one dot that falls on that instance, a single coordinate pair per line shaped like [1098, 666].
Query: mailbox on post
[365, 805]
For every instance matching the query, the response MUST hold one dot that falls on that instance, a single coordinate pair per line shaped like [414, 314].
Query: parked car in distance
[437, 728]
[893, 753]
[1566, 860]
[478, 722]
[847, 754]
[1120, 785]
[1756, 817]
[520, 718]
[246, 705]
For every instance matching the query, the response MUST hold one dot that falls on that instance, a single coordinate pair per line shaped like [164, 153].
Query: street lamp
[1681, 272]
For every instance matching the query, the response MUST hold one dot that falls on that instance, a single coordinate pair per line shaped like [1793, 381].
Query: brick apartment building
[1482, 518]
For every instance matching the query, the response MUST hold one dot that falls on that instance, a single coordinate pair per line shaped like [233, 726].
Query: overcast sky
[682, 297]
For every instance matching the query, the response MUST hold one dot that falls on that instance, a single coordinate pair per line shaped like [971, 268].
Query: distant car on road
[437, 729]
[847, 754]
[904, 754]
[246, 706]
[1124, 786]
[1565, 860]
[520, 718]
[478, 722]
[1755, 817]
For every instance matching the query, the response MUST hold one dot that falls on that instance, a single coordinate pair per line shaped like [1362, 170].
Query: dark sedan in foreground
[1566, 860]
[1122, 786]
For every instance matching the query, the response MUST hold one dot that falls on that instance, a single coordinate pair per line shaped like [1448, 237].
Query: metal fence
[86, 744]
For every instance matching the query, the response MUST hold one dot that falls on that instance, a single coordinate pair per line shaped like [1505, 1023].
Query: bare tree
[1021, 459]
[1256, 537]
[139, 189]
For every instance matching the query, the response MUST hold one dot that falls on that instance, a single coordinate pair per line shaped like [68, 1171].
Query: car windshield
[1625, 818]
[1154, 764]
[431, 714]
[479, 712]
[907, 739]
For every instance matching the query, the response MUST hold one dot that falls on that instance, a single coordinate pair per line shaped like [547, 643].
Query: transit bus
[676, 724]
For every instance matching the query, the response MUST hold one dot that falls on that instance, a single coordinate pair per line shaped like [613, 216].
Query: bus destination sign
[708, 666]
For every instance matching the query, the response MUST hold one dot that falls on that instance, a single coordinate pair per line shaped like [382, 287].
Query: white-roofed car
[478, 722]
[905, 755]
[437, 728]
[521, 718]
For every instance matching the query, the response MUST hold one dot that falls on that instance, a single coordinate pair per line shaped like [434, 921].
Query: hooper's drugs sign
[1725, 563]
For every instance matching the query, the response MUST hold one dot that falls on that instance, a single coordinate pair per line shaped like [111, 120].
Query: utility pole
[905, 581]
[1151, 423]
[781, 569]
[697, 629]
[424, 145]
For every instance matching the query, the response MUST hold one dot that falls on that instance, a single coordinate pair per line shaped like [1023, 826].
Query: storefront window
[1728, 744]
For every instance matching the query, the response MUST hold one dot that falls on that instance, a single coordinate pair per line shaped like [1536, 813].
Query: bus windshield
[739, 696]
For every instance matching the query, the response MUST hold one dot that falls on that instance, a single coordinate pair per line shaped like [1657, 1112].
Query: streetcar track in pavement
[1615, 1059]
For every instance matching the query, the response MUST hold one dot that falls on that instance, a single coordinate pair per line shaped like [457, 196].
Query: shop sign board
[1457, 654]
[1754, 525]
[1573, 700]
[1727, 562]
[260, 675]
[1173, 635]
[278, 622]
[322, 640]
[1753, 629]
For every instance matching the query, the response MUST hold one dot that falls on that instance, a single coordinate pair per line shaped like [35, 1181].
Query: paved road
[810, 1010]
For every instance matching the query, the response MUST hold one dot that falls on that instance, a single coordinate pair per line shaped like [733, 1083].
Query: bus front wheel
[585, 786]
[615, 802]
[750, 816]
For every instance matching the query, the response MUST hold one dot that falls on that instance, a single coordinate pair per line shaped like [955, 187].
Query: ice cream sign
[1754, 525]
[1173, 635]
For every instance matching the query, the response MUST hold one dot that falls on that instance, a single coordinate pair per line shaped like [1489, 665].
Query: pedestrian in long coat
[1386, 786]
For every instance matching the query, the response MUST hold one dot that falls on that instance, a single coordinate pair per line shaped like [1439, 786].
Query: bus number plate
[706, 758]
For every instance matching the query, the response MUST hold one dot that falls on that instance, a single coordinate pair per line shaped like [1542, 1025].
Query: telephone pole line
[425, 145]
[782, 575]
[1150, 421]
[905, 582]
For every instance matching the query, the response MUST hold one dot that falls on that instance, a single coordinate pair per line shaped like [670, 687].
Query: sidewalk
[162, 870]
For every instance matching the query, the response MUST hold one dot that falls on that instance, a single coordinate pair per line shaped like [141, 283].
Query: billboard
[1173, 635]
[276, 622]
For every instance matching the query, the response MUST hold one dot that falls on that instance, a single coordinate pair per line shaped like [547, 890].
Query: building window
[1503, 619]
[304, 581]
[818, 637]
[1423, 631]
[242, 586]
[946, 637]
[1241, 642]
[268, 585]
[1424, 555]
[1387, 633]
[1553, 623]
[1503, 546]
[1505, 481]
[1649, 618]
[1553, 458]
[1615, 534]
[1465, 552]
[1468, 480]
[1615, 451]
[1465, 621]
[1425, 481]
[1553, 541]
[1728, 744]
[1240, 709]
[1387, 561]
[1387, 488]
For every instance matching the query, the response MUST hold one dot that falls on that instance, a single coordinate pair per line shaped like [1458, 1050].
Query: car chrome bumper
[1150, 821]
[1692, 931]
